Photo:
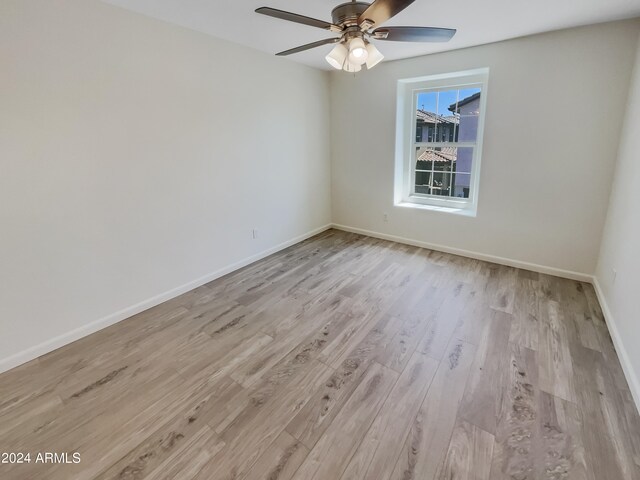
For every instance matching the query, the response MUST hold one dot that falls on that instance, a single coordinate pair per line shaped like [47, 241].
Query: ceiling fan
[354, 22]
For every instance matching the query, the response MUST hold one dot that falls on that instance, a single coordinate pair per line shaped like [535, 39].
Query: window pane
[443, 166]
[468, 111]
[446, 131]
[424, 159]
[461, 185]
[464, 159]
[441, 184]
[435, 117]
[423, 180]
[426, 120]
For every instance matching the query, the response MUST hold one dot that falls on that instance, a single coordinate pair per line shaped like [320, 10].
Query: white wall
[621, 244]
[135, 158]
[555, 108]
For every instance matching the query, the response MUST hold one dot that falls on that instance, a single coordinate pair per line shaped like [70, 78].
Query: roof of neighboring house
[430, 117]
[455, 107]
[445, 154]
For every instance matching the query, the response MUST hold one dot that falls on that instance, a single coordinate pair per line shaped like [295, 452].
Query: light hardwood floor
[343, 357]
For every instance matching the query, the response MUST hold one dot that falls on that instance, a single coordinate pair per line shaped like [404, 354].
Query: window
[439, 140]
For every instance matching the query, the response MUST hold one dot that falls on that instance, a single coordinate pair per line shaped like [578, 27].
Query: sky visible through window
[439, 102]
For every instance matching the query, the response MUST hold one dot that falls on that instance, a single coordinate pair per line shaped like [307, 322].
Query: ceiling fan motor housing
[348, 13]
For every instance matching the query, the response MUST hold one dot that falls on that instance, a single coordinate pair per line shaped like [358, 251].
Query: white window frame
[408, 91]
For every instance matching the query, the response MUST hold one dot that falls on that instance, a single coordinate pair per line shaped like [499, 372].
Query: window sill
[466, 212]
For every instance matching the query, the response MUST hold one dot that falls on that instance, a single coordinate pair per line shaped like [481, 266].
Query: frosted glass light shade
[374, 56]
[337, 56]
[357, 51]
[351, 67]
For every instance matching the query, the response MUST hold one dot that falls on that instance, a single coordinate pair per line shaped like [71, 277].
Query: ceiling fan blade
[414, 34]
[308, 46]
[294, 17]
[382, 10]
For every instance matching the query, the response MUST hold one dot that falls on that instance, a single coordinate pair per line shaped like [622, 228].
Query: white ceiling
[478, 21]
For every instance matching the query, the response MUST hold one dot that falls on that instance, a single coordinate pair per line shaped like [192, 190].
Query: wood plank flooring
[341, 358]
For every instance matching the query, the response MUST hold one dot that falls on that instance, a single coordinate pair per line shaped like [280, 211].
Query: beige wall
[621, 244]
[135, 159]
[555, 108]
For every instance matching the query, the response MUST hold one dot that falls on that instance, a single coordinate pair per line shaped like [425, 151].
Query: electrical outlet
[254, 233]
[385, 217]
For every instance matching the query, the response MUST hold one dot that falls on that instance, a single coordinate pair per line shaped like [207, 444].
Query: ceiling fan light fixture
[357, 51]
[374, 56]
[337, 56]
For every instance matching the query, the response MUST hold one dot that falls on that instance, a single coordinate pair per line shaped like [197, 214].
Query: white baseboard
[66, 338]
[582, 277]
[627, 367]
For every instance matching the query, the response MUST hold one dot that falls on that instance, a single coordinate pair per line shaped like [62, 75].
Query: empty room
[280, 240]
